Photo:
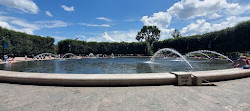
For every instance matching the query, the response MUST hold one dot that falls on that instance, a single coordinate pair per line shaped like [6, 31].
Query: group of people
[7, 59]
[242, 62]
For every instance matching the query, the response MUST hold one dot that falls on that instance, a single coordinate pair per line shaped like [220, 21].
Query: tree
[149, 33]
[176, 33]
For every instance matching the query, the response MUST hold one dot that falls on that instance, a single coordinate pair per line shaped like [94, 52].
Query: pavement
[233, 95]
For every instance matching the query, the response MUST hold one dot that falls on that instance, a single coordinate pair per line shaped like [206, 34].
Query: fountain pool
[121, 71]
[116, 65]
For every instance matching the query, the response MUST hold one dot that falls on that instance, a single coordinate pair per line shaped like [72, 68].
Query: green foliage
[227, 40]
[176, 34]
[20, 44]
[82, 47]
[149, 33]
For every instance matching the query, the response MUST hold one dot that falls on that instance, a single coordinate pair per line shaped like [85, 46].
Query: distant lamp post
[69, 48]
[209, 45]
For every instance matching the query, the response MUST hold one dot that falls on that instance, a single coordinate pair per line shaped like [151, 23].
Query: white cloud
[202, 26]
[104, 19]
[188, 9]
[115, 36]
[24, 24]
[20, 25]
[199, 27]
[204, 9]
[6, 18]
[48, 13]
[51, 24]
[17, 24]
[166, 33]
[95, 25]
[229, 22]
[245, 9]
[27, 6]
[11, 27]
[69, 9]
[160, 19]
[107, 37]
[25, 30]
[214, 16]
[5, 25]
[59, 38]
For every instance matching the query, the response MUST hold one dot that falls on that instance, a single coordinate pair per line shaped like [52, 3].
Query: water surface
[115, 65]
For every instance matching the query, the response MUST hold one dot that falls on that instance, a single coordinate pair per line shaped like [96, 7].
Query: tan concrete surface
[233, 95]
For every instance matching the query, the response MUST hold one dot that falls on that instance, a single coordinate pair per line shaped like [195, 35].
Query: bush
[20, 44]
[227, 40]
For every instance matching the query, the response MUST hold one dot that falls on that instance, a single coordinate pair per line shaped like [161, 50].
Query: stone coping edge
[116, 79]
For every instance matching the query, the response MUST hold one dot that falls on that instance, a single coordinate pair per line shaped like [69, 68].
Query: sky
[119, 20]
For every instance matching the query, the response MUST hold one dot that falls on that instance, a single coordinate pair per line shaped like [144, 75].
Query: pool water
[115, 65]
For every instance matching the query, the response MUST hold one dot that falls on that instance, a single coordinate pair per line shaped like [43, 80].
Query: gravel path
[227, 95]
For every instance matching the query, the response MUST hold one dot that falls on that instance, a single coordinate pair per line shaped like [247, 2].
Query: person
[5, 58]
[239, 62]
[25, 57]
[10, 59]
[246, 65]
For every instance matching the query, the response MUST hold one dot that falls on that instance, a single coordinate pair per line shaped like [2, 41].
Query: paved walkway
[227, 95]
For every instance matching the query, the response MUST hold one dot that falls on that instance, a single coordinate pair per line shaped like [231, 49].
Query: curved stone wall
[115, 79]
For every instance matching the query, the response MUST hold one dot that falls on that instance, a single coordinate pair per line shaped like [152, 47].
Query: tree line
[231, 39]
[82, 47]
[20, 44]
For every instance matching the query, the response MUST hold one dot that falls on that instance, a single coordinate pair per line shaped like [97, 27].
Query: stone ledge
[115, 79]
[87, 79]
[220, 75]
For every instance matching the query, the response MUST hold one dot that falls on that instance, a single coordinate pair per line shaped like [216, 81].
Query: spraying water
[195, 52]
[91, 55]
[69, 54]
[208, 51]
[44, 54]
[112, 55]
[169, 50]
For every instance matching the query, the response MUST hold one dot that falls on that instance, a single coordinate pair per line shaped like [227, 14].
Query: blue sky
[119, 20]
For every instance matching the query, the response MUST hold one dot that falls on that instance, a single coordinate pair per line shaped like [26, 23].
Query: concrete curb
[86, 79]
[115, 79]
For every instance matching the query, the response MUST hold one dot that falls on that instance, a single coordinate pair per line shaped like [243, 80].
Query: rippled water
[115, 65]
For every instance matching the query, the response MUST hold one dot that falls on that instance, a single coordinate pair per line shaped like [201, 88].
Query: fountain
[208, 51]
[169, 60]
[112, 55]
[70, 54]
[44, 54]
[120, 71]
[91, 55]
[164, 50]
[195, 52]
